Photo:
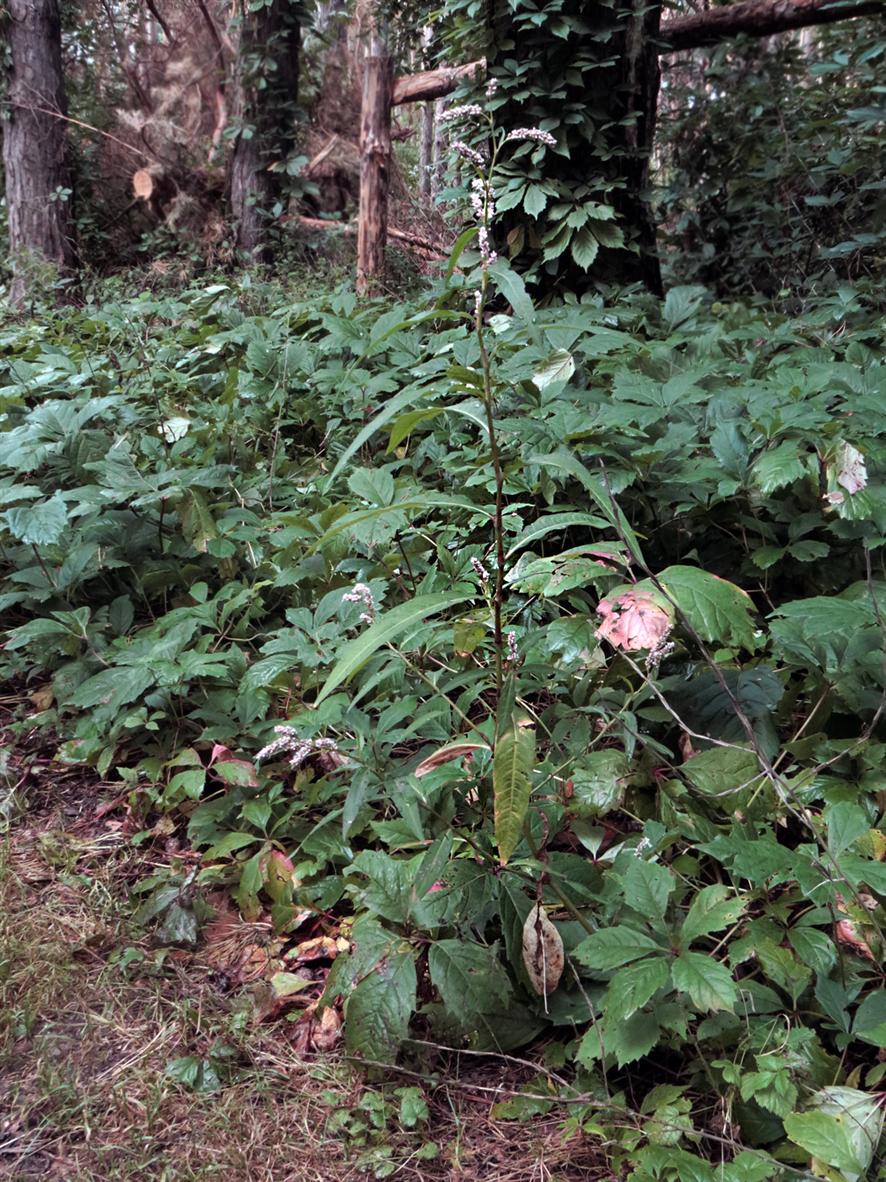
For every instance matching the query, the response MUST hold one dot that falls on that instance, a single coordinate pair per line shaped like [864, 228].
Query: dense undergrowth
[644, 821]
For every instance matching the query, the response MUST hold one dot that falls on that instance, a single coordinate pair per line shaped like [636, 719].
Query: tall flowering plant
[482, 202]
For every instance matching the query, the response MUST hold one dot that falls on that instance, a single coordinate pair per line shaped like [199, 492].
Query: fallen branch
[758, 18]
[434, 84]
[350, 228]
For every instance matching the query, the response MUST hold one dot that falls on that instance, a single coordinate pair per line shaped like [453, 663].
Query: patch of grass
[90, 1025]
[95, 1025]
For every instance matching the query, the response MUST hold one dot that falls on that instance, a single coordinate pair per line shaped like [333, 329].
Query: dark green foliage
[199, 506]
[772, 160]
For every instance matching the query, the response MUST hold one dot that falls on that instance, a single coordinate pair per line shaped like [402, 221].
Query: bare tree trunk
[268, 94]
[426, 152]
[39, 181]
[375, 163]
[758, 18]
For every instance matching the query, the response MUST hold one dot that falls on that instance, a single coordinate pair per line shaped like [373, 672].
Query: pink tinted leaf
[633, 621]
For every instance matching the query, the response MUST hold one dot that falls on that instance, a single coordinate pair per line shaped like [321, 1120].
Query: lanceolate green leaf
[386, 629]
[423, 504]
[512, 764]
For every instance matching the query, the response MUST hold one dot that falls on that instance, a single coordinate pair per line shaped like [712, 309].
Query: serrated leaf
[712, 909]
[379, 1007]
[585, 248]
[633, 986]
[543, 956]
[777, 467]
[40, 524]
[647, 887]
[374, 485]
[718, 610]
[558, 367]
[469, 977]
[708, 983]
[512, 764]
[599, 780]
[386, 628]
[610, 948]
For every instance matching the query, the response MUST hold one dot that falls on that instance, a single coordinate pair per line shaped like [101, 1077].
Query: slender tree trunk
[426, 152]
[268, 68]
[375, 163]
[39, 181]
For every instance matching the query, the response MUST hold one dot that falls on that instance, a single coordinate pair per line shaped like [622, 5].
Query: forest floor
[98, 1027]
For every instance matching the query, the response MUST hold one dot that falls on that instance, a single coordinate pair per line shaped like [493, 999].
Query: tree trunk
[375, 164]
[39, 181]
[597, 88]
[268, 68]
[426, 153]
[758, 18]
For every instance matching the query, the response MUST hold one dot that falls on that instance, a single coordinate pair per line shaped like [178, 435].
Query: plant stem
[495, 455]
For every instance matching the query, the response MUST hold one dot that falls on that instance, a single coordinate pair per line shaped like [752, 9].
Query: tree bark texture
[758, 18]
[375, 164]
[434, 84]
[426, 153]
[35, 157]
[268, 68]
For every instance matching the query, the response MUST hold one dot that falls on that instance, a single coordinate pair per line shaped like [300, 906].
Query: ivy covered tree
[578, 212]
[268, 75]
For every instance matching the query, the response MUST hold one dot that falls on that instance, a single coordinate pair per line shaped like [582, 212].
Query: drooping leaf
[512, 764]
[386, 628]
[840, 1126]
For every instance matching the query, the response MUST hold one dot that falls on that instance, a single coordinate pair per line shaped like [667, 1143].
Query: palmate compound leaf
[387, 627]
[543, 956]
[512, 764]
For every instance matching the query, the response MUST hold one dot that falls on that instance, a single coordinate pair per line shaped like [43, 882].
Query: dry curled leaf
[542, 952]
[446, 755]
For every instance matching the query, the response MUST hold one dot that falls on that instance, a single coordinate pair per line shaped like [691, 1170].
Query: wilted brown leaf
[446, 755]
[542, 952]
